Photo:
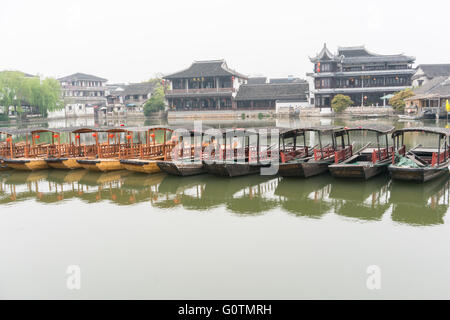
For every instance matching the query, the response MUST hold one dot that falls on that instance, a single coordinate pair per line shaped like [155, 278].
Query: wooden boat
[368, 162]
[323, 155]
[105, 157]
[236, 156]
[25, 156]
[420, 164]
[148, 155]
[186, 156]
[65, 156]
[4, 166]
[181, 168]
[70, 156]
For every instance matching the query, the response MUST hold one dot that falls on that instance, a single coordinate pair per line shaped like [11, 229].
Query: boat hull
[302, 169]
[26, 164]
[232, 169]
[356, 171]
[181, 168]
[143, 166]
[417, 174]
[103, 165]
[63, 163]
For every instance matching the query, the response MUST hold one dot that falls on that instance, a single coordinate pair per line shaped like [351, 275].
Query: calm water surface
[163, 237]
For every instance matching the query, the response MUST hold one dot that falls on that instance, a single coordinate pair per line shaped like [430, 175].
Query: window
[326, 67]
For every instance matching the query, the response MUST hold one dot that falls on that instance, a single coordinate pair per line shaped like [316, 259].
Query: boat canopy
[378, 128]
[434, 130]
[325, 129]
[12, 131]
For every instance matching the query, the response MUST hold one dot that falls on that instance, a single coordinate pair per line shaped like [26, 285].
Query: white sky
[131, 40]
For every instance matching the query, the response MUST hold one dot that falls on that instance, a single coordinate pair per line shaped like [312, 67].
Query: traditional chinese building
[129, 97]
[205, 85]
[272, 95]
[432, 95]
[364, 76]
[82, 93]
[427, 72]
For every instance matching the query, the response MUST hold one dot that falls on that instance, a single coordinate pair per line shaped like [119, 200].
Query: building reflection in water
[413, 204]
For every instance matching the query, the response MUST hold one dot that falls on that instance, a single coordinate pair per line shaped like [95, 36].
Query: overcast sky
[131, 40]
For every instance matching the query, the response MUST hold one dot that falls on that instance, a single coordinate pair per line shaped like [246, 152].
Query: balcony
[363, 73]
[82, 88]
[360, 89]
[199, 91]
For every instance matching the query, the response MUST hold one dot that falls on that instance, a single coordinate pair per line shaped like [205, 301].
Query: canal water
[155, 236]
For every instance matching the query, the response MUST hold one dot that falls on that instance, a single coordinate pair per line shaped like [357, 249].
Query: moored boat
[323, 154]
[369, 161]
[24, 156]
[420, 164]
[148, 155]
[236, 155]
[65, 156]
[105, 157]
[186, 156]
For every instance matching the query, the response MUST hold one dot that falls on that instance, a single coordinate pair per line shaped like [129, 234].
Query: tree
[16, 89]
[11, 90]
[157, 100]
[341, 102]
[398, 100]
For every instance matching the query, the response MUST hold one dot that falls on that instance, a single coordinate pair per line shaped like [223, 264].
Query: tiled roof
[435, 70]
[286, 91]
[138, 89]
[81, 76]
[257, 80]
[209, 68]
[436, 88]
[286, 80]
[356, 55]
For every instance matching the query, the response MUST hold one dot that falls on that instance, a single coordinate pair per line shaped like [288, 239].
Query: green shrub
[398, 100]
[340, 102]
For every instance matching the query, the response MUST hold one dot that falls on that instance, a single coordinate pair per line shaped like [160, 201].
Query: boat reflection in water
[307, 198]
[420, 204]
[242, 195]
[364, 201]
[412, 204]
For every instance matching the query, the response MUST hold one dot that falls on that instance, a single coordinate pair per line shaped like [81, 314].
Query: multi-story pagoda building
[205, 85]
[364, 76]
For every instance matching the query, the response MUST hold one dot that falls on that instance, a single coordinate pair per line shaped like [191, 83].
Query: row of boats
[230, 152]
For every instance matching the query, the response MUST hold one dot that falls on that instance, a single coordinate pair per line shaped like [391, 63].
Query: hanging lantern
[111, 135]
[122, 125]
[152, 135]
[94, 135]
[8, 139]
[37, 136]
[129, 137]
[77, 136]
[55, 136]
